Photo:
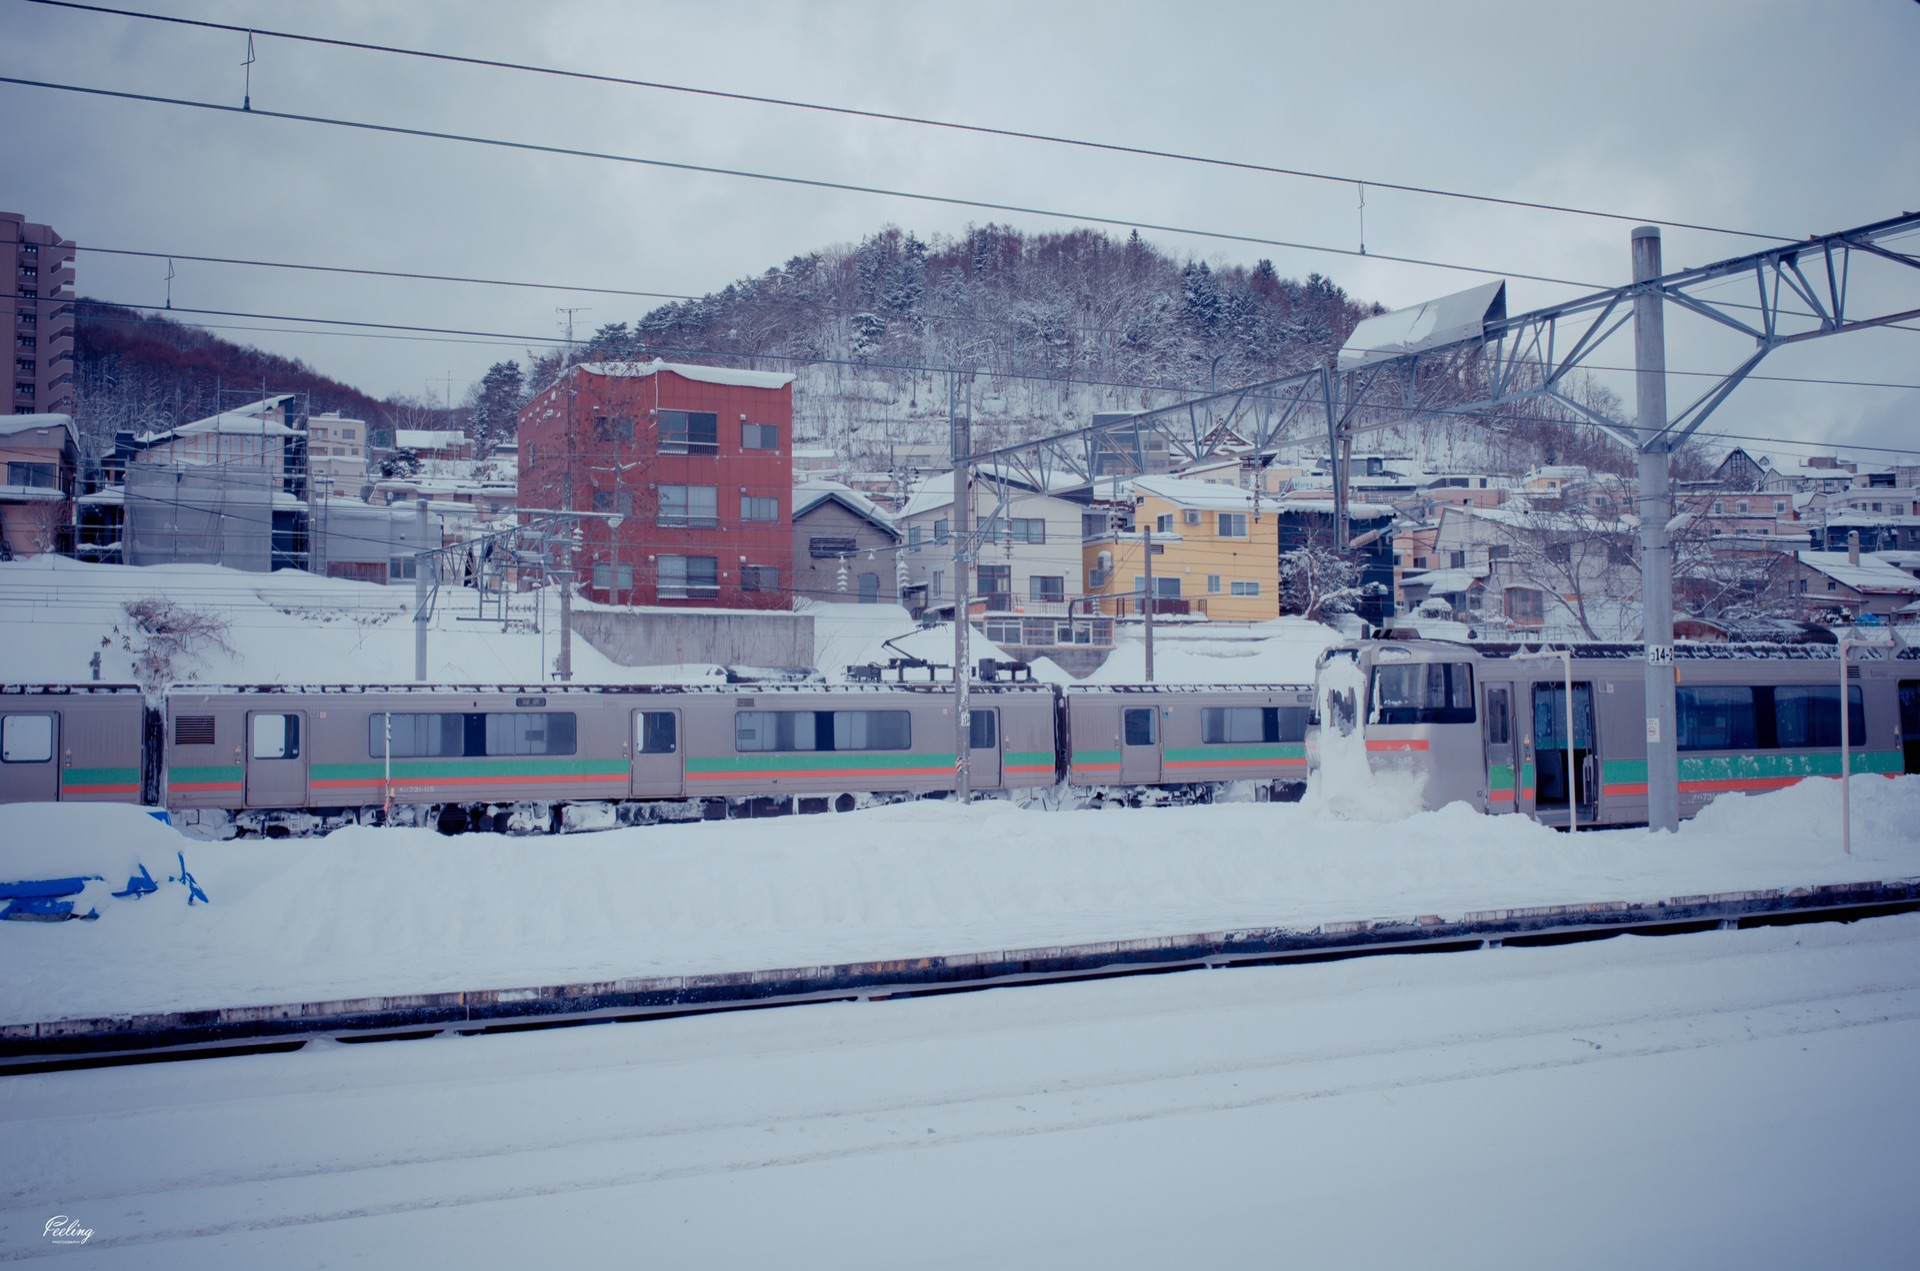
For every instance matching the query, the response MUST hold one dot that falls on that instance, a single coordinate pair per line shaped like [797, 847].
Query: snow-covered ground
[1733, 1099]
[371, 911]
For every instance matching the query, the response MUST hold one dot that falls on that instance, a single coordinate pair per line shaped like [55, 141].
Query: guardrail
[122, 1039]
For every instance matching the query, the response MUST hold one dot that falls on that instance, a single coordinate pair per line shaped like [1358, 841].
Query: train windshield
[1423, 693]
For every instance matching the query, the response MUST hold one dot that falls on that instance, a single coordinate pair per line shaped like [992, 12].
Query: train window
[26, 738]
[417, 736]
[1230, 725]
[530, 733]
[659, 733]
[193, 730]
[1423, 693]
[1716, 717]
[1499, 720]
[276, 736]
[1809, 715]
[822, 730]
[1139, 725]
[983, 729]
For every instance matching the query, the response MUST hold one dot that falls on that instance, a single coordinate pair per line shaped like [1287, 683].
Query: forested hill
[1055, 326]
[148, 372]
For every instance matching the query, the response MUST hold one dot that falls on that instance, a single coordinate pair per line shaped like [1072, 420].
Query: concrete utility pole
[422, 562]
[962, 517]
[1147, 602]
[1656, 552]
[564, 672]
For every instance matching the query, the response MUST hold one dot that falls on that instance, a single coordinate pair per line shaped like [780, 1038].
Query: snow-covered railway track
[82, 1043]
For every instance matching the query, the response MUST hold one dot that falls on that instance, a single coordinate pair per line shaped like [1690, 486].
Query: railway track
[62, 1045]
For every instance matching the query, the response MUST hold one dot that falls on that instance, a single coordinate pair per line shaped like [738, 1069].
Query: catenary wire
[918, 121]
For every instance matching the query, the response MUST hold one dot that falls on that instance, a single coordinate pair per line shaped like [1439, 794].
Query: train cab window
[1138, 725]
[26, 738]
[983, 729]
[530, 733]
[659, 733]
[1809, 715]
[1423, 693]
[276, 736]
[1715, 717]
[1499, 717]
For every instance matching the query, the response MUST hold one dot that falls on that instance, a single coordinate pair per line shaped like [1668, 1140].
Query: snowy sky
[1764, 115]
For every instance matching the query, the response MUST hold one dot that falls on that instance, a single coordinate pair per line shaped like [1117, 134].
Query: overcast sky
[1748, 114]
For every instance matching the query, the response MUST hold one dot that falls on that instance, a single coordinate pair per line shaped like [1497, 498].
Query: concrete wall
[665, 637]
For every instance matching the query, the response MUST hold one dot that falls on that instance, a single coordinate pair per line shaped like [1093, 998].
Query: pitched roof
[10, 424]
[687, 371]
[811, 494]
[1872, 576]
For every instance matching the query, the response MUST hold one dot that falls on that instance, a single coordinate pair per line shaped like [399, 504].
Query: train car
[1493, 726]
[1186, 743]
[287, 760]
[78, 743]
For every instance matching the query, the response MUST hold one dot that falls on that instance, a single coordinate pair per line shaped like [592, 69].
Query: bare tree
[169, 636]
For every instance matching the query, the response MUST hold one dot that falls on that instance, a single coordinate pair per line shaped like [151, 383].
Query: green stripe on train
[1765, 766]
[1029, 758]
[809, 761]
[1224, 754]
[100, 777]
[431, 769]
[1096, 758]
[1500, 776]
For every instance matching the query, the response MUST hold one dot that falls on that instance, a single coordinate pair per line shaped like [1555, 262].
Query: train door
[1552, 780]
[1139, 745]
[276, 759]
[1910, 723]
[983, 757]
[659, 766]
[29, 745]
[1503, 766]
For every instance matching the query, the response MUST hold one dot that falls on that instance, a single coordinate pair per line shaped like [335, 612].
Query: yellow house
[1215, 548]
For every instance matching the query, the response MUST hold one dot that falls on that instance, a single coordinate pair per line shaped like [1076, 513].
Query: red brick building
[698, 463]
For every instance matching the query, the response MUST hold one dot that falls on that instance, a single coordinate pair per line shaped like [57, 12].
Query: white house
[1029, 558]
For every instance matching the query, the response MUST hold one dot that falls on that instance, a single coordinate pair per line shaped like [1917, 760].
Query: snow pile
[388, 911]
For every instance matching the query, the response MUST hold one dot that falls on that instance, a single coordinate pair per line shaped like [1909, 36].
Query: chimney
[1853, 547]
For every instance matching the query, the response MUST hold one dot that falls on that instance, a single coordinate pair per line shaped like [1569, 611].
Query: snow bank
[386, 911]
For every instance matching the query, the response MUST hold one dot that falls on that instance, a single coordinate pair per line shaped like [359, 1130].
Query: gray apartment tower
[38, 322]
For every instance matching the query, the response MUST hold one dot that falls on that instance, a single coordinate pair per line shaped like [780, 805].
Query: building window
[689, 432]
[41, 476]
[1233, 525]
[1741, 506]
[754, 509]
[399, 568]
[25, 365]
[1456, 560]
[913, 537]
[612, 429]
[996, 580]
[1498, 551]
[689, 577]
[759, 578]
[1719, 507]
[610, 577]
[939, 587]
[829, 547]
[1213, 584]
[1246, 589]
[1047, 587]
[759, 437]
[616, 501]
[1163, 524]
[1027, 529]
[939, 531]
[689, 504]
[1524, 606]
[1003, 631]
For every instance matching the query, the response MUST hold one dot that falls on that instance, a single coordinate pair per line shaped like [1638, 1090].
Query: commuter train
[292, 760]
[1490, 724]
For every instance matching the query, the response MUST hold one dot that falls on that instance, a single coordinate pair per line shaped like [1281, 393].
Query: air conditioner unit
[1191, 516]
[1104, 560]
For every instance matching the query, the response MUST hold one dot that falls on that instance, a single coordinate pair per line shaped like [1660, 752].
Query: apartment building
[1210, 553]
[38, 325]
[38, 458]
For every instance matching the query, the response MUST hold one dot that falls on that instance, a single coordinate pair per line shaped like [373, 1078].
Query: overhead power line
[844, 187]
[1011, 134]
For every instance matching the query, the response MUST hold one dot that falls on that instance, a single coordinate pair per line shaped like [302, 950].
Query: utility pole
[962, 432]
[1656, 552]
[1148, 602]
[422, 561]
[564, 672]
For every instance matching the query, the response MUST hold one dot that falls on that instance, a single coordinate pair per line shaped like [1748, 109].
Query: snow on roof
[686, 371]
[1356, 509]
[935, 490]
[1872, 575]
[1529, 519]
[1464, 315]
[1439, 581]
[112, 496]
[1194, 494]
[1871, 518]
[811, 494]
[428, 439]
[10, 424]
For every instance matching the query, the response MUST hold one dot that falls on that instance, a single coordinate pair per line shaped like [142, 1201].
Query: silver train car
[1490, 725]
[281, 760]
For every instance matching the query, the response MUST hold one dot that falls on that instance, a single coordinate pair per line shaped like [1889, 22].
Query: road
[1732, 1098]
